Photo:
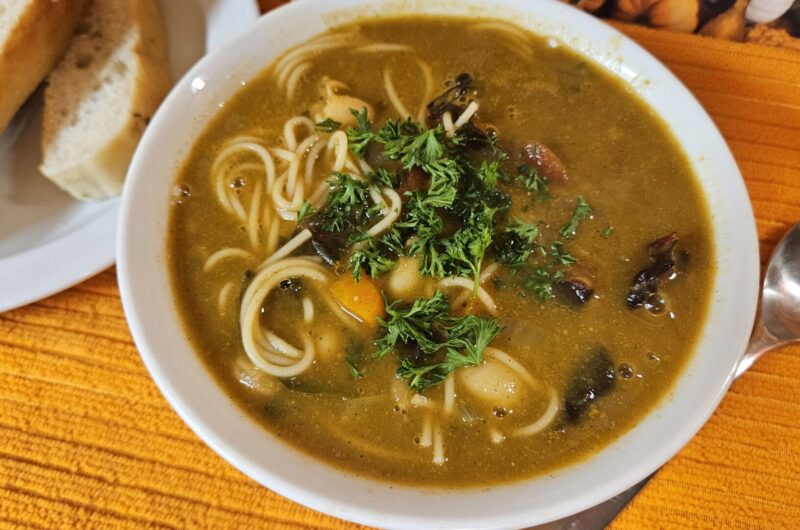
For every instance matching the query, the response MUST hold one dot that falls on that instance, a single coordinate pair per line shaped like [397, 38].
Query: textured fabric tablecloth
[86, 440]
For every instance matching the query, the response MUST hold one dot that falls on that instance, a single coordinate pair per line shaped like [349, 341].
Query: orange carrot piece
[360, 299]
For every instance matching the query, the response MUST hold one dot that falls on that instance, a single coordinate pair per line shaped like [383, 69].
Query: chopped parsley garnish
[412, 324]
[370, 258]
[540, 281]
[451, 211]
[468, 245]
[382, 177]
[305, 210]
[444, 342]
[533, 182]
[607, 231]
[360, 136]
[456, 188]
[582, 211]
[355, 353]
[560, 255]
[328, 125]
[518, 243]
[355, 373]
[454, 218]
[348, 205]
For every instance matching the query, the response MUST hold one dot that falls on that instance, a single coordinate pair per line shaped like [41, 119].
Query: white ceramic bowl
[182, 377]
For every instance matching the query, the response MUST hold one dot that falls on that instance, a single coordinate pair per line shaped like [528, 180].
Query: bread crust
[37, 41]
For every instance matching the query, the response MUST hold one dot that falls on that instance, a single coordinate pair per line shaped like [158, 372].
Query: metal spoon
[777, 324]
[779, 320]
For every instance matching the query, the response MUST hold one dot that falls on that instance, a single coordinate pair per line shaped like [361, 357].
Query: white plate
[49, 241]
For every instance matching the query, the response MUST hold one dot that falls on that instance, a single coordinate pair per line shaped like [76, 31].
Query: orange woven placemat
[86, 440]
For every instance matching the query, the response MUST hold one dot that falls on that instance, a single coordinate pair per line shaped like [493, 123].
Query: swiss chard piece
[576, 292]
[446, 101]
[582, 211]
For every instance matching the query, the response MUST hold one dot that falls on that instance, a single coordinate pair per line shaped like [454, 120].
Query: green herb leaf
[533, 182]
[560, 255]
[348, 204]
[490, 172]
[607, 231]
[468, 245]
[582, 211]
[412, 324]
[382, 177]
[518, 242]
[355, 353]
[463, 339]
[427, 226]
[370, 258]
[541, 281]
[468, 337]
[359, 137]
[328, 125]
[305, 210]
[355, 373]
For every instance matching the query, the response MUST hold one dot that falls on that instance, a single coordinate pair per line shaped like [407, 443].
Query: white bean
[493, 383]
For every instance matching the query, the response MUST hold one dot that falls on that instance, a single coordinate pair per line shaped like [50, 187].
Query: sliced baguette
[33, 35]
[101, 96]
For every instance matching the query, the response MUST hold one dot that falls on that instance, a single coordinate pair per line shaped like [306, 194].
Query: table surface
[86, 440]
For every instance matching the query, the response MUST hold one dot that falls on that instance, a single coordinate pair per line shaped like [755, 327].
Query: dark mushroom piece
[414, 179]
[330, 246]
[591, 380]
[576, 292]
[544, 161]
[662, 247]
[446, 101]
[472, 136]
[646, 282]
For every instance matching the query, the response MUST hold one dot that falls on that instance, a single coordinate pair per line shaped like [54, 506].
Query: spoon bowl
[780, 303]
[778, 321]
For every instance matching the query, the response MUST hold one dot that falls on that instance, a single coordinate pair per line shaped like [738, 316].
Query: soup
[440, 261]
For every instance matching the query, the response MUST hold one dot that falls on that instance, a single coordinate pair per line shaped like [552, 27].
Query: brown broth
[619, 156]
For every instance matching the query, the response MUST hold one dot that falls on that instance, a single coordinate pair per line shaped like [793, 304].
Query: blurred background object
[768, 22]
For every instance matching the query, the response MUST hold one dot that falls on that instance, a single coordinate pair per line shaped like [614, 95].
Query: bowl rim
[139, 265]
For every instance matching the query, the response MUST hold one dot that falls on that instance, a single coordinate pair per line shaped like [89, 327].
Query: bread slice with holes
[101, 96]
[33, 36]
